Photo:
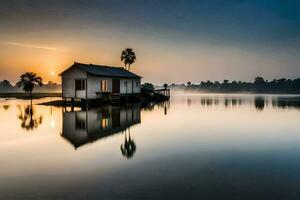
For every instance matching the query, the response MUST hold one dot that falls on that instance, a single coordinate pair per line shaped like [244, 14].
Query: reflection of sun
[53, 123]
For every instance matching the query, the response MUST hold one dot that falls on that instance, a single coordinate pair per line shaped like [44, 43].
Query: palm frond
[128, 57]
[28, 80]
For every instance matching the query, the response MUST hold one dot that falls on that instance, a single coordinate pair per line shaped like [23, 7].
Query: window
[125, 83]
[79, 123]
[136, 83]
[104, 85]
[79, 84]
[104, 123]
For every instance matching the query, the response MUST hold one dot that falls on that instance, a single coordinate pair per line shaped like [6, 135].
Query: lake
[195, 146]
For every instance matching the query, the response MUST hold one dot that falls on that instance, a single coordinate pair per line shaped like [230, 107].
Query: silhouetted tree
[28, 81]
[165, 86]
[5, 84]
[148, 86]
[260, 85]
[128, 57]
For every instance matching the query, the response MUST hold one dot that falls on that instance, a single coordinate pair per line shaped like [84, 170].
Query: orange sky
[156, 62]
[185, 41]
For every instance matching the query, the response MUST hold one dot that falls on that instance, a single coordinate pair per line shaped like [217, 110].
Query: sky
[174, 41]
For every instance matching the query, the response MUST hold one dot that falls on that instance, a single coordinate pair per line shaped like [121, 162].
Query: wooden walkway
[164, 92]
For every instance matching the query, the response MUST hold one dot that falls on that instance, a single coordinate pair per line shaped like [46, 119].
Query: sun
[52, 73]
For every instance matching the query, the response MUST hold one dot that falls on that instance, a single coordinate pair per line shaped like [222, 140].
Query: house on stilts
[94, 82]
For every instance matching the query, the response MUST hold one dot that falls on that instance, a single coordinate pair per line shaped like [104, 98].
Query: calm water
[193, 147]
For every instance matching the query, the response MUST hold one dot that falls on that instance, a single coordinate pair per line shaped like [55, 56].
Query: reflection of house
[87, 81]
[81, 127]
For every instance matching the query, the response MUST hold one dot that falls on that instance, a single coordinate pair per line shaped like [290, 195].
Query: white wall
[131, 86]
[137, 88]
[93, 85]
[68, 82]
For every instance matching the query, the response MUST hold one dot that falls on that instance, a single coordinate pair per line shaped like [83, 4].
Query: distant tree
[259, 80]
[128, 57]
[148, 86]
[165, 86]
[5, 84]
[188, 83]
[260, 85]
[28, 81]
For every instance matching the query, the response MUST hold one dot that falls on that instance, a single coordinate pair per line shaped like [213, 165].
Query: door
[116, 86]
[80, 91]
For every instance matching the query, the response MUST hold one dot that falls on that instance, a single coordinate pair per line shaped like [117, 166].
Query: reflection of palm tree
[6, 107]
[128, 148]
[28, 119]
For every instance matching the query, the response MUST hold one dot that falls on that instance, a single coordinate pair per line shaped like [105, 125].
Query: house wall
[68, 83]
[130, 87]
[137, 86]
[93, 85]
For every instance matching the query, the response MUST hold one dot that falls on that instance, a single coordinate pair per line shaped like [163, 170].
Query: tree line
[259, 85]
[7, 86]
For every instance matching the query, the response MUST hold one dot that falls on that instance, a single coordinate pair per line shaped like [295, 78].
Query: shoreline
[62, 103]
[23, 95]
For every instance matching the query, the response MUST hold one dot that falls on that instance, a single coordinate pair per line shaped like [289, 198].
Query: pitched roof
[102, 70]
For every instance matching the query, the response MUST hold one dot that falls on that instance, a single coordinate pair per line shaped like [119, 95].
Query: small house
[88, 81]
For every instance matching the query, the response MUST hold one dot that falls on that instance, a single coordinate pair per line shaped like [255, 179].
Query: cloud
[30, 46]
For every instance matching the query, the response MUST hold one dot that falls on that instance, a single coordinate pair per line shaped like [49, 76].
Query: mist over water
[211, 146]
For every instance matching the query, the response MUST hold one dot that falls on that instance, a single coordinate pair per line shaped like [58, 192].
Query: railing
[165, 92]
[101, 94]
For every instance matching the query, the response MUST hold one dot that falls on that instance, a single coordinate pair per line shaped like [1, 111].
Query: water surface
[196, 146]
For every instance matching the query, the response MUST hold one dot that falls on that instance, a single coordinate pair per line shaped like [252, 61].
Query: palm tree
[128, 57]
[28, 81]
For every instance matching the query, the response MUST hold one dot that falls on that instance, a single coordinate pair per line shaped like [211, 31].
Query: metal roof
[101, 70]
